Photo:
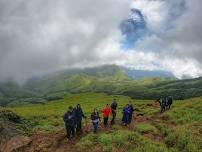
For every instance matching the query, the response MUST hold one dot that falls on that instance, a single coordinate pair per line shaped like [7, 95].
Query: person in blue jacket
[70, 122]
[126, 113]
[79, 115]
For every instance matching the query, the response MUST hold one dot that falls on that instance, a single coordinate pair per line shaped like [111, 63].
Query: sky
[42, 36]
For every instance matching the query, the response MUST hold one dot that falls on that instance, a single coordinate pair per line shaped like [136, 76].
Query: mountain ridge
[110, 79]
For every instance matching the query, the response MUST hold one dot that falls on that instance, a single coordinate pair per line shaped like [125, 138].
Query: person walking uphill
[106, 112]
[163, 104]
[170, 101]
[95, 120]
[79, 115]
[113, 109]
[70, 122]
[126, 113]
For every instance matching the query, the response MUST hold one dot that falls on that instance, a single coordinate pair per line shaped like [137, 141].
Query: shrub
[86, 142]
[105, 139]
[145, 128]
[164, 129]
[182, 140]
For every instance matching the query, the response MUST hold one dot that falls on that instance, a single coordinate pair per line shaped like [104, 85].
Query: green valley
[109, 79]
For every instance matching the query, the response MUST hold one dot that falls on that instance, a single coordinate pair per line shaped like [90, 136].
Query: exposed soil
[57, 142]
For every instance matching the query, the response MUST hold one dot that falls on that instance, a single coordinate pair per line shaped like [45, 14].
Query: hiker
[113, 109]
[126, 113]
[163, 104]
[95, 120]
[106, 112]
[79, 115]
[131, 109]
[170, 101]
[70, 122]
[166, 103]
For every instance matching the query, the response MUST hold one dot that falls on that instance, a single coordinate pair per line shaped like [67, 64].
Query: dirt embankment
[53, 142]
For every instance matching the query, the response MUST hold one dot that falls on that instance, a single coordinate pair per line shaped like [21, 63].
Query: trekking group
[73, 117]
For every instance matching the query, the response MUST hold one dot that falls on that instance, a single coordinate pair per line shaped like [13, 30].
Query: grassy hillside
[113, 80]
[104, 79]
[178, 129]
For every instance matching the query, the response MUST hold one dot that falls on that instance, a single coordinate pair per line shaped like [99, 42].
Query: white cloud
[155, 12]
[177, 46]
[40, 36]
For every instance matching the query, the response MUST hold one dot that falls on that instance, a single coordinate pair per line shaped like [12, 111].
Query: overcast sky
[39, 36]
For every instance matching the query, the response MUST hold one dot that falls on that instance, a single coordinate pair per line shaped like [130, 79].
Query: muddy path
[57, 142]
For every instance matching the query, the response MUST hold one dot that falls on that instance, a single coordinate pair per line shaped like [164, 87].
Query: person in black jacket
[79, 115]
[113, 108]
[70, 122]
[170, 101]
[95, 120]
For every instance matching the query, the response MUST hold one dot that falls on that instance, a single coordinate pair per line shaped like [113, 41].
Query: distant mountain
[140, 74]
[108, 79]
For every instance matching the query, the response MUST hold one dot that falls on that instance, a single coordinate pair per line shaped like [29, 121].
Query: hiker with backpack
[70, 122]
[106, 112]
[126, 113]
[163, 104]
[166, 103]
[113, 109]
[95, 118]
[170, 102]
[79, 115]
[131, 109]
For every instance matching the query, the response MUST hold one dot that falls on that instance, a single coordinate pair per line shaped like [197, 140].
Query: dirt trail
[156, 136]
[57, 142]
[50, 142]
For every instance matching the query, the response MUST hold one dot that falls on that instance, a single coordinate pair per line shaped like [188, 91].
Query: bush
[105, 139]
[145, 128]
[164, 129]
[86, 142]
[182, 140]
[120, 138]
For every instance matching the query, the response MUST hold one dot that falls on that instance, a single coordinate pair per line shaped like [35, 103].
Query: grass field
[49, 116]
[178, 129]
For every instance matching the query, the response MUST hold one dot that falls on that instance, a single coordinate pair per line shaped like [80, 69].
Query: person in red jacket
[106, 112]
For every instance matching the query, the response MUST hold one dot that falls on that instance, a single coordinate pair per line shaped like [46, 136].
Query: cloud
[40, 36]
[176, 35]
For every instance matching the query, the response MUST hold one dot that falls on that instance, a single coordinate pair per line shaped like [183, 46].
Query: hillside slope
[178, 129]
[106, 79]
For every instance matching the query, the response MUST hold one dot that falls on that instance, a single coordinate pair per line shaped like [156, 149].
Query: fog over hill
[109, 79]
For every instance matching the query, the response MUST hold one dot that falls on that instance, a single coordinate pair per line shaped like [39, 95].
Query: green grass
[145, 128]
[108, 79]
[187, 111]
[181, 126]
[49, 116]
[121, 141]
